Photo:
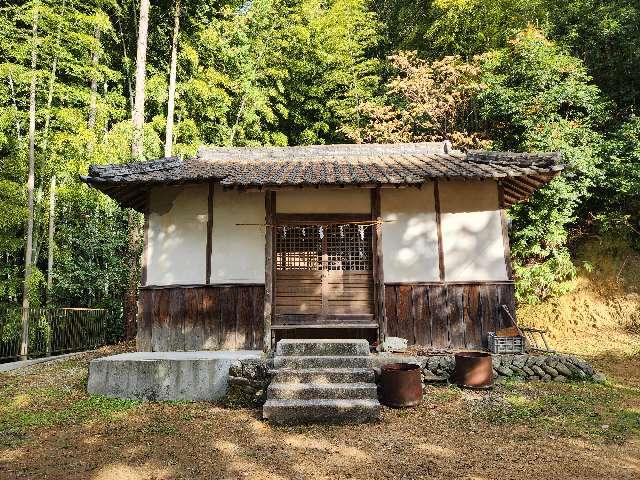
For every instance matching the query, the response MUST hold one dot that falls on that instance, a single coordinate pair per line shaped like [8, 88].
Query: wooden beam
[315, 186]
[209, 248]
[436, 195]
[505, 233]
[520, 189]
[145, 246]
[509, 190]
[319, 218]
[200, 285]
[509, 200]
[531, 182]
[269, 266]
[377, 265]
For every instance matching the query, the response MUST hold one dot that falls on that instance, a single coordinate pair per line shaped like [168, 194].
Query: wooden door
[324, 273]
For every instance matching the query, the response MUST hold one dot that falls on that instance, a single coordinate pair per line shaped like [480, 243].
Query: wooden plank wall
[298, 292]
[329, 292]
[447, 315]
[201, 318]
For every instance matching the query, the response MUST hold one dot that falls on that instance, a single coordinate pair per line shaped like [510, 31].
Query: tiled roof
[339, 165]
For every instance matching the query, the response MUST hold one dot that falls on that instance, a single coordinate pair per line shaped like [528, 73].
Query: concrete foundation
[165, 375]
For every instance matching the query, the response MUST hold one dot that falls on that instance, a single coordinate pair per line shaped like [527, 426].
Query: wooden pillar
[133, 329]
[209, 247]
[436, 195]
[269, 265]
[505, 232]
[145, 240]
[377, 264]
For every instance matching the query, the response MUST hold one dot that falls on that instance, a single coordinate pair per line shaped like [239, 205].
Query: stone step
[326, 391]
[323, 375]
[323, 347]
[321, 411]
[321, 361]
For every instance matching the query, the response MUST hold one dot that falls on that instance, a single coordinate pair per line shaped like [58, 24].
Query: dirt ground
[51, 429]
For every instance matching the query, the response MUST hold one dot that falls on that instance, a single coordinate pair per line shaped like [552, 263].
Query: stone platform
[154, 376]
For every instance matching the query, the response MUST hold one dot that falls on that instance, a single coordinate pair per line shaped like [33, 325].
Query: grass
[582, 409]
[52, 397]
[50, 408]
[51, 428]
[608, 411]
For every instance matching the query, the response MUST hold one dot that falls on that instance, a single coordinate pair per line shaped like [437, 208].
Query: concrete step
[326, 391]
[340, 347]
[321, 411]
[323, 375]
[321, 361]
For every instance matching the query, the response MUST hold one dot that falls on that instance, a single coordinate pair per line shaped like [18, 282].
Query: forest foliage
[525, 76]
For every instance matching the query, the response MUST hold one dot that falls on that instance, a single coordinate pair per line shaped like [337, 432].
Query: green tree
[437, 28]
[77, 100]
[424, 101]
[540, 98]
[616, 200]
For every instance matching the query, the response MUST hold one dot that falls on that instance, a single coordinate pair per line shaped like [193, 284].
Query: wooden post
[378, 270]
[269, 266]
[436, 195]
[209, 247]
[505, 232]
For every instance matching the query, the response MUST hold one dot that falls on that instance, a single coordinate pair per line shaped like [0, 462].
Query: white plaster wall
[237, 251]
[410, 239]
[177, 235]
[310, 200]
[471, 231]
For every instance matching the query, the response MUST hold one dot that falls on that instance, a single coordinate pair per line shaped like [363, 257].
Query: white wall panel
[238, 251]
[472, 231]
[410, 240]
[177, 235]
[312, 200]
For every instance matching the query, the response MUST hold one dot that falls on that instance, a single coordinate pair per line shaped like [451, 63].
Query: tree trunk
[137, 145]
[47, 120]
[52, 79]
[93, 102]
[168, 140]
[24, 348]
[52, 226]
[126, 63]
[37, 227]
[137, 152]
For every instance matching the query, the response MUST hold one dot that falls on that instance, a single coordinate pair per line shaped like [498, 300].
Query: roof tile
[364, 164]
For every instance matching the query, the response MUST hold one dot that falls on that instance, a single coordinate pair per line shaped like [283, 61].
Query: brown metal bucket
[474, 370]
[401, 385]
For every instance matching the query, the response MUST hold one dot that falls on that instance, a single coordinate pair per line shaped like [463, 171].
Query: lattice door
[324, 270]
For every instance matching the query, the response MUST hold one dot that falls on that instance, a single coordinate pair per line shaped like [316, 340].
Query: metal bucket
[474, 370]
[400, 385]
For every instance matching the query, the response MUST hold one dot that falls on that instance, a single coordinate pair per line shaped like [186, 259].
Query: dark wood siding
[209, 317]
[447, 315]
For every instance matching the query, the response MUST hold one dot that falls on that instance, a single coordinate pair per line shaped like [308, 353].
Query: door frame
[274, 219]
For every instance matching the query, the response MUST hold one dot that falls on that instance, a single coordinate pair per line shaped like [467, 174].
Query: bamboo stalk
[24, 348]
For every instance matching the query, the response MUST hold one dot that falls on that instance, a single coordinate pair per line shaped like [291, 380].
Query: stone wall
[528, 367]
[248, 382]
[249, 379]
